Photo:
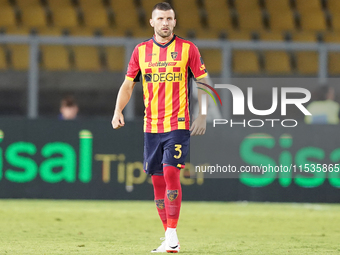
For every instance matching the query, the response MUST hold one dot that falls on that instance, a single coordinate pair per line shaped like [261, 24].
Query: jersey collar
[163, 45]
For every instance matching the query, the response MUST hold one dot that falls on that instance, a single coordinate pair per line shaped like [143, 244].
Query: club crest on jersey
[160, 203]
[174, 55]
[172, 194]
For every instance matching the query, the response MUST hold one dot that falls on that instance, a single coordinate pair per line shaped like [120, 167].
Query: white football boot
[171, 241]
[161, 248]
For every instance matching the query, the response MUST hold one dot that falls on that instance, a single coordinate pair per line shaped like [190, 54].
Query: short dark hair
[68, 101]
[163, 7]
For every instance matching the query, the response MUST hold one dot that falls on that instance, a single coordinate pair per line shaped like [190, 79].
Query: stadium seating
[91, 5]
[4, 3]
[333, 6]
[336, 22]
[333, 57]
[50, 31]
[239, 35]
[306, 61]
[126, 16]
[115, 58]
[246, 5]
[27, 3]
[19, 56]
[18, 31]
[84, 31]
[245, 62]
[59, 4]
[304, 6]
[95, 18]
[313, 21]
[277, 6]
[112, 32]
[7, 17]
[282, 21]
[213, 60]
[188, 15]
[86, 58]
[66, 18]
[55, 58]
[34, 17]
[251, 20]
[218, 15]
[277, 62]
[3, 62]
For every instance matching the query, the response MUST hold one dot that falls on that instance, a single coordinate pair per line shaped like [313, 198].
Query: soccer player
[165, 62]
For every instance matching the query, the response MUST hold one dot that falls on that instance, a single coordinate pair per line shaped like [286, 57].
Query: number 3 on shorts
[178, 148]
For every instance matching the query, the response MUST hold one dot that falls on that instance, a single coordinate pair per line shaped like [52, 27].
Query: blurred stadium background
[94, 71]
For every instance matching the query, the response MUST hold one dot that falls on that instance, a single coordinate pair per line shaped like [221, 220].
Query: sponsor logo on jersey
[163, 77]
[161, 64]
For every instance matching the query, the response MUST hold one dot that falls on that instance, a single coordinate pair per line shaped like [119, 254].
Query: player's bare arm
[123, 98]
[199, 125]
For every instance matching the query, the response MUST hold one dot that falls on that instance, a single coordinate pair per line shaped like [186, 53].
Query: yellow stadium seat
[245, 62]
[55, 58]
[306, 61]
[188, 15]
[332, 37]
[27, 3]
[96, 18]
[308, 5]
[112, 32]
[3, 62]
[84, 31]
[333, 6]
[212, 59]
[7, 17]
[334, 63]
[207, 34]
[4, 3]
[34, 17]
[246, 5]
[91, 4]
[59, 4]
[66, 17]
[304, 37]
[143, 32]
[277, 6]
[239, 35]
[19, 56]
[218, 15]
[282, 21]
[271, 36]
[125, 14]
[336, 21]
[313, 21]
[50, 31]
[251, 20]
[115, 57]
[18, 31]
[86, 58]
[277, 62]
[333, 57]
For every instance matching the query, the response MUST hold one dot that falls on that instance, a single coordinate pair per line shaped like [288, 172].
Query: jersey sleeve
[133, 71]
[196, 63]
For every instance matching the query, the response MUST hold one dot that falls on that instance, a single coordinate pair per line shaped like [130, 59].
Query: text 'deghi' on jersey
[165, 70]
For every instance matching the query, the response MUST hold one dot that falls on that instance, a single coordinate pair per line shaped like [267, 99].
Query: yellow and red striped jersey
[166, 70]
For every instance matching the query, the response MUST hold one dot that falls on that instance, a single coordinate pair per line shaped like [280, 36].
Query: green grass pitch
[133, 227]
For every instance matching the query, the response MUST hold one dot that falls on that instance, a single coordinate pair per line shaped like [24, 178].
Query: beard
[164, 34]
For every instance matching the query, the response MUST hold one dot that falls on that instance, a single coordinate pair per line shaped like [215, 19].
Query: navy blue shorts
[165, 148]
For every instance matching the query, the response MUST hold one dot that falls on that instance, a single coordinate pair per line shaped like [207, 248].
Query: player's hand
[199, 126]
[118, 120]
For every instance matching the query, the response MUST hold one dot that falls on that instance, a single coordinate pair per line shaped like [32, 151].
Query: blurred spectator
[324, 109]
[68, 108]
